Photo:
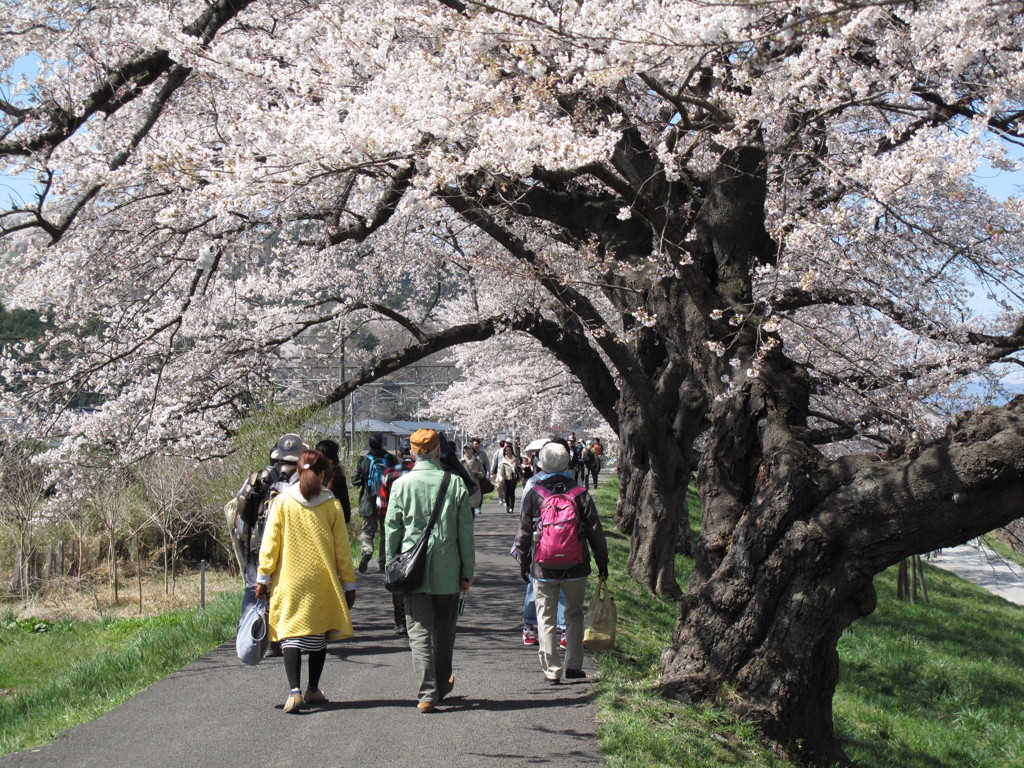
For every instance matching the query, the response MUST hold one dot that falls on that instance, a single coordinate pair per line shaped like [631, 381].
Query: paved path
[979, 565]
[218, 713]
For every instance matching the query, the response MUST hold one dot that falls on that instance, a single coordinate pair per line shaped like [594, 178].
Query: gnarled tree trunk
[654, 473]
[791, 544]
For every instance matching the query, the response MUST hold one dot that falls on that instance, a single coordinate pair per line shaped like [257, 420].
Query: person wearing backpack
[595, 467]
[367, 477]
[404, 465]
[247, 518]
[589, 460]
[529, 601]
[558, 531]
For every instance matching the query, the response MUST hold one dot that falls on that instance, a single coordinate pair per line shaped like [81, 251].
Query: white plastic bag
[251, 642]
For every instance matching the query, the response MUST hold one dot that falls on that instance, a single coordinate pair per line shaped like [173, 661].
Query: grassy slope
[936, 685]
[103, 663]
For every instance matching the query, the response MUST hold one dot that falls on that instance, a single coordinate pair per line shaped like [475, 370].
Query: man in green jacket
[432, 610]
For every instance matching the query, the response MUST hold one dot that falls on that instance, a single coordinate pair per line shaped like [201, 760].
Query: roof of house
[374, 425]
[408, 427]
[400, 428]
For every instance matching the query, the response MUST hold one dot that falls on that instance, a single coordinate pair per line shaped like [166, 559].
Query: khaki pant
[431, 620]
[547, 592]
[367, 531]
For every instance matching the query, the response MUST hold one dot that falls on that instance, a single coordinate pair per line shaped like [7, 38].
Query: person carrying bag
[430, 510]
[252, 639]
[406, 569]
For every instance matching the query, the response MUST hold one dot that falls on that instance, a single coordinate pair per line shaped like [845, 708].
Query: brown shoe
[313, 696]
[443, 689]
[426, 707]
[293, 703]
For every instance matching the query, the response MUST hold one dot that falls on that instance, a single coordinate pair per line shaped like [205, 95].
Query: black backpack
[588, 458]
[254, 504]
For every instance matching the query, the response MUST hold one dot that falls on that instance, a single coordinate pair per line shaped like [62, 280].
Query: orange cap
[424, 440]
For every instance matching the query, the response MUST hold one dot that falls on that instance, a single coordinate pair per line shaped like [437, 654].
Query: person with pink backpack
[558, 530]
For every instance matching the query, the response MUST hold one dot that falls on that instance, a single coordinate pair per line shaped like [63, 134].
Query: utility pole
[341, 403]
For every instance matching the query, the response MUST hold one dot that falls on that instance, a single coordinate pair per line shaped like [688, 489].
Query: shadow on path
[218, 712]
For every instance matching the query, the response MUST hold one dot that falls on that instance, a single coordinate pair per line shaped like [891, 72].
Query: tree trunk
[167, 567]
[791, 543]
[174, 566]
[651, 507]
[138, 569]
[114, 575]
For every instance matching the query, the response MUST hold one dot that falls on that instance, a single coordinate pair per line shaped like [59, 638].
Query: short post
[202, 584]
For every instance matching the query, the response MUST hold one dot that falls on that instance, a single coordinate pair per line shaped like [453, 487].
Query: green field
[936, 686]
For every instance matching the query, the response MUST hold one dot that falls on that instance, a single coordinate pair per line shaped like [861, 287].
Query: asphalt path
[976, 563]
[218, 713]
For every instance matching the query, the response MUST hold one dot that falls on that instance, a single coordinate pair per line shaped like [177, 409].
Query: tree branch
[122, 86]
[798, 298]
[937, 494]
[429, 344]
[625, 362]
[571, 347]
[382, 212]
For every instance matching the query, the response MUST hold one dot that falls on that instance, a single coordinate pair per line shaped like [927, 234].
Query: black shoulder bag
[406, 570]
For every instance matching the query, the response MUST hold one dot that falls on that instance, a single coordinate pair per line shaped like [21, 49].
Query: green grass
[102, 664]
[930, 686]
[934, 685]
[1003, 549]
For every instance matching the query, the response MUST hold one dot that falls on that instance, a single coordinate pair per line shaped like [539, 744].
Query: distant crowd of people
[289, 526]
[511, 465]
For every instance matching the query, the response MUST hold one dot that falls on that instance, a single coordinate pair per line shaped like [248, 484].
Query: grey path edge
[976, 563]
[218, 712]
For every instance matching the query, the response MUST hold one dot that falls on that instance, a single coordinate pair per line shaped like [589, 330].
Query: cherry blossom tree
[750, 230]
[511, 382]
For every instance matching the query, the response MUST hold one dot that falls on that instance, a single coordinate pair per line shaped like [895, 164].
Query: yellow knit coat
[306, 553]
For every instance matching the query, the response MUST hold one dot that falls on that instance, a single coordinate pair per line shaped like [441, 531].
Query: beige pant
[546, 593]
[367, 532]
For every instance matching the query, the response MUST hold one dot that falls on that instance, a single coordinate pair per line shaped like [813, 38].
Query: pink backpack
[557, 533]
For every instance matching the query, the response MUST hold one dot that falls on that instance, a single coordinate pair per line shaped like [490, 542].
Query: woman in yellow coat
[306, 566]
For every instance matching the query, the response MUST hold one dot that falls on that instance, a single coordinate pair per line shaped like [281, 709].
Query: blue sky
[13, 187]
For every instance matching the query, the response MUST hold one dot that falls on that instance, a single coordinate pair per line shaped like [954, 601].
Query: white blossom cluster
[199, 247]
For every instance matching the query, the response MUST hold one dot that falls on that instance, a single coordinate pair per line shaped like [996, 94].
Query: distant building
[393, 431]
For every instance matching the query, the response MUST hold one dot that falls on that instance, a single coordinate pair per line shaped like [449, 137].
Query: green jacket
[450, 555]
